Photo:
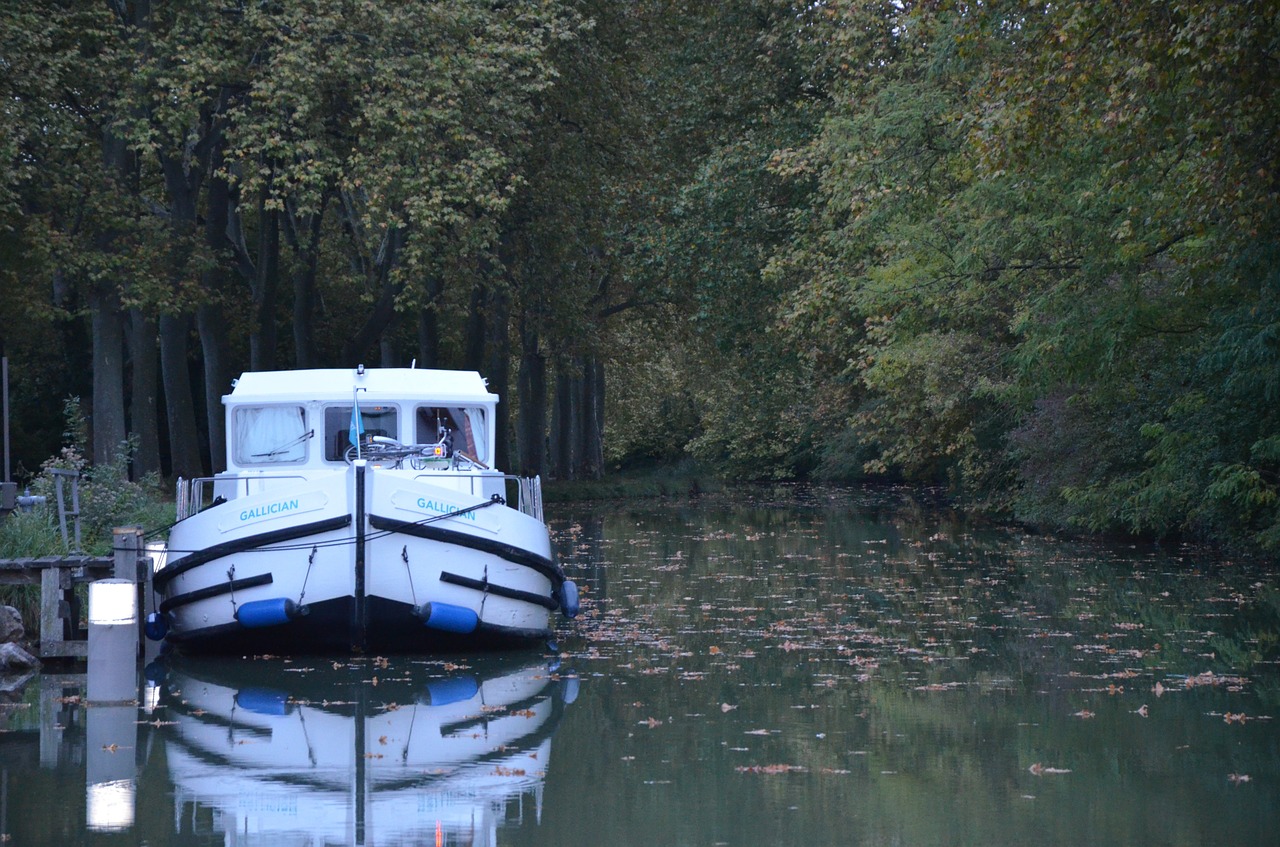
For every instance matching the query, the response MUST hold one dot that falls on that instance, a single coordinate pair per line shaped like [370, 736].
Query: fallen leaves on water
[1212, 679]
[770, 769]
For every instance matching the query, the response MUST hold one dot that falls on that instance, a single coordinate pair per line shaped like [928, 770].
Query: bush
[107, 499]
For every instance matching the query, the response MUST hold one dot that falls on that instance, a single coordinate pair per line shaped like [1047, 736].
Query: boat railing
[527, 490]
[194, 495]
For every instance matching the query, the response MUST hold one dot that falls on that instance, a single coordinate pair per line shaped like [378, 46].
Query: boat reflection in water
[269, 752]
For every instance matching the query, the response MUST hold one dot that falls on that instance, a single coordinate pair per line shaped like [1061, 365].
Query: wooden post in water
[127, 549]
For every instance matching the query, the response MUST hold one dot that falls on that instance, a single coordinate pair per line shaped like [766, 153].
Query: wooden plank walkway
[60, 633]
[28, 571]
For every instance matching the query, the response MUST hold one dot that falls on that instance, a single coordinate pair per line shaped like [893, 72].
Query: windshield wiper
[288, 445]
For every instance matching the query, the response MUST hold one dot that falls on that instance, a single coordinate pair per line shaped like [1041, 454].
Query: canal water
[782, 666]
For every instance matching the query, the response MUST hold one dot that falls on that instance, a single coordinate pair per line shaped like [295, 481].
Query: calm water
[783, 667]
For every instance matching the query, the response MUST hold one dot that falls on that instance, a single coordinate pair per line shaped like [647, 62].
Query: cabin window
[270, 435]
[464, 425]
[339, 424]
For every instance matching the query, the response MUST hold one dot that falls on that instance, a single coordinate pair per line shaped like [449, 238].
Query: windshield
[340, 424]
[270, 435]
[465, 426]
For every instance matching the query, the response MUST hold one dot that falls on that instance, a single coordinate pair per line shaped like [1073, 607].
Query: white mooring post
[111, 720]
[113, 642]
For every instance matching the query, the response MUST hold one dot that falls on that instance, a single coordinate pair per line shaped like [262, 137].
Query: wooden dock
[61, 635]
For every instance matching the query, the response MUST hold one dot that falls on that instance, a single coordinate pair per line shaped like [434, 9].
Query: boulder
[10, 625]
[14, 658]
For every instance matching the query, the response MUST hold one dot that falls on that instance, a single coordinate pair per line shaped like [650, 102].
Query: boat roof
[338, 384]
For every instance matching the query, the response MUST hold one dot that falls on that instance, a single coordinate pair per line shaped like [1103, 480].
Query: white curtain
[270, 434]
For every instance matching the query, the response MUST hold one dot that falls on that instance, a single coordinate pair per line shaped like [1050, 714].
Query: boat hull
[361, 560]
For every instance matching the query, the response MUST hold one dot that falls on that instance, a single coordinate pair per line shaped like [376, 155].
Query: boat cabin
[295, 420]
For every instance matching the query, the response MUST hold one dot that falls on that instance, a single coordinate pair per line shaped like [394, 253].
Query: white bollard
[113, 642]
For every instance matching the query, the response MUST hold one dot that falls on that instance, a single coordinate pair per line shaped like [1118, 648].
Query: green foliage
[1040, 262]
[107, 498]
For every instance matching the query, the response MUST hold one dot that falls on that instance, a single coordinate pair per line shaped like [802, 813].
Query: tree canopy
[1027, 250]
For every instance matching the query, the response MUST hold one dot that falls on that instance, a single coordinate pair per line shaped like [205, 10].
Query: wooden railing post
[127, 549]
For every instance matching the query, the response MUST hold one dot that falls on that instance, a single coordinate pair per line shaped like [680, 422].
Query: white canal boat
[359, 512]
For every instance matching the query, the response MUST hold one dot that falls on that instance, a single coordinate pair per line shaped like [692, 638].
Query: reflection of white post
[111, 774]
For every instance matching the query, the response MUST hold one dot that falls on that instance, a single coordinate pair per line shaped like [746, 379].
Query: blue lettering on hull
[277, 508]
[443, 508]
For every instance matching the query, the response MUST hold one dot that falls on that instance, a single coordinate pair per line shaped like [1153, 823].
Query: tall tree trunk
[183, 177]
[306, 246]
[262, 340]
[591, 431]
[212, 327]
[429, 325]
[143, 407]
[564, 422]
[498, 371]
[473, 342]
[387, 348]
[384, 310]
[109, 319]
[211, 323]
[180, 410]
[532, 425]
[108, 421]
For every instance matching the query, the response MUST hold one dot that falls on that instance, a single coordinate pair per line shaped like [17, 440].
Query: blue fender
[260, 613]
[569, 599]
